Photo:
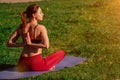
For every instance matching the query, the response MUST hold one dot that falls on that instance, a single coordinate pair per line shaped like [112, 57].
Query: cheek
[39, 17]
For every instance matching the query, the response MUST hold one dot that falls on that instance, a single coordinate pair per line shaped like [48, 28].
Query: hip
[31, 52]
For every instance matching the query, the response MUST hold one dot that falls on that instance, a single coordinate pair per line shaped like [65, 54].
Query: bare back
[31, 51]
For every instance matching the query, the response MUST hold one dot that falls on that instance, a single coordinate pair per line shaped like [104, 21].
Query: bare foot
[52, 68]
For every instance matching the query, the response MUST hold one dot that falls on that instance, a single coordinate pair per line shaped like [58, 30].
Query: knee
[61, 52]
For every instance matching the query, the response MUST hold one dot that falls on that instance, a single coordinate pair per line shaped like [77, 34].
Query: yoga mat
[68, 61]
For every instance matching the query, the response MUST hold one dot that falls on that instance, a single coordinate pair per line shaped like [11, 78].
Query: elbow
[8, 44]
[46, 46]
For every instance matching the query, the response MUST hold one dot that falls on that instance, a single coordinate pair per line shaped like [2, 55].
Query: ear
[33, 15]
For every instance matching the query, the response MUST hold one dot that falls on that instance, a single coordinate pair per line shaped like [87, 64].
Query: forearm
[15, 44]
[40, 45]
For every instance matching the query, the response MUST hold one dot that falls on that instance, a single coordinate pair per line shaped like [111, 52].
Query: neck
[33, 22]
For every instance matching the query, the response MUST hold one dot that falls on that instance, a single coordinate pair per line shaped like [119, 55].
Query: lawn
[85, 28]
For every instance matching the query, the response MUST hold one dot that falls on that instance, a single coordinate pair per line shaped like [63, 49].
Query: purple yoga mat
[68, 61]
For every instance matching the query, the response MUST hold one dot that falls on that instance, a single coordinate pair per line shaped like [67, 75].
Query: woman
[35, 38]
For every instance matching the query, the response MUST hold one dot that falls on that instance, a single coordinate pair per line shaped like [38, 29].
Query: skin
[29, 48]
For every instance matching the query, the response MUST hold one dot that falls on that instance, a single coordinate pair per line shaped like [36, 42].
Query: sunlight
[114, 7]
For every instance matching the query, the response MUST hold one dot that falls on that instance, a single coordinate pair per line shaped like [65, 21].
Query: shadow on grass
[6, 66]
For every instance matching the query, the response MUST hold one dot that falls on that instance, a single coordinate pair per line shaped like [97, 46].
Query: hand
[27, 39]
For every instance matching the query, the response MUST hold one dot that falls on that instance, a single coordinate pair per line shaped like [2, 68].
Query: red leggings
[37, 63]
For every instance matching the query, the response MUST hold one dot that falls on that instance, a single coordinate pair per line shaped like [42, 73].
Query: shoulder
[41, 27]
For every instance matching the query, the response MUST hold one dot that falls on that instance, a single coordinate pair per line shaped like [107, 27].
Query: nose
[43, 14]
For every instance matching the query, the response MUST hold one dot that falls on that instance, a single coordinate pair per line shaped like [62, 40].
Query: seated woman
[35, 38]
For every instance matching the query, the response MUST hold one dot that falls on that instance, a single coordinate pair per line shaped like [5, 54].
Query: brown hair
[31, 9]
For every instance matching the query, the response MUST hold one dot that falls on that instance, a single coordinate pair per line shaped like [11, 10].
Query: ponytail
[23, 25]
[23, 19]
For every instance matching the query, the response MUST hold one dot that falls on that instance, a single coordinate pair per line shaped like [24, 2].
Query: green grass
[86, 28]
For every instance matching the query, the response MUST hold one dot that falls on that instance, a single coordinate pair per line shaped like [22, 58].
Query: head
[32, 12]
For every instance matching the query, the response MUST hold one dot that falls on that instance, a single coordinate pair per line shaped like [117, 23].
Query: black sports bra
[33, 36]
[36, 41]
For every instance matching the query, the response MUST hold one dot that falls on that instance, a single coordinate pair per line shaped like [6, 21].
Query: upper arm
[44, 36]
